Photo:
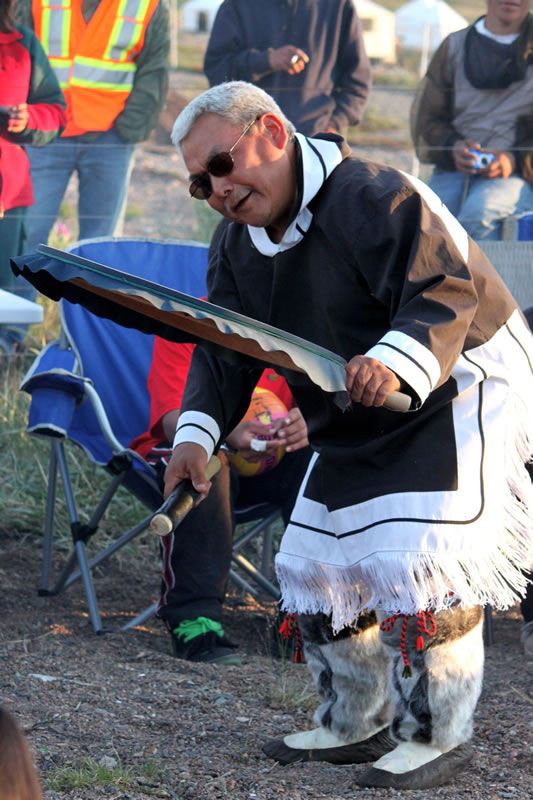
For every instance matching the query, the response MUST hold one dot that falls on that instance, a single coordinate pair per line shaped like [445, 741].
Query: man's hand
[188, 461]
[18, 118]
[503, 165]
[292, 431]
[369, 382]
[463, 158]
[241, 439]
[287, 59]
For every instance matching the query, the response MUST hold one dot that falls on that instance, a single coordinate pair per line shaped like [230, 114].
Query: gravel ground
[170, 729]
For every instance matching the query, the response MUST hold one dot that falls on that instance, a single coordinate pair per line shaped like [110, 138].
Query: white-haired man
[406, 524]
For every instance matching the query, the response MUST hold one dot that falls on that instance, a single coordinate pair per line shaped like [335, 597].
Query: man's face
[509, 13]
[260, 188]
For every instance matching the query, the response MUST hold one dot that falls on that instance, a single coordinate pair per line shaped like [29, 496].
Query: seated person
[473, 119]
[196, 558]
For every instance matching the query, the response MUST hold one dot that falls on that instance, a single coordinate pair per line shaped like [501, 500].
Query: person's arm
[432, 128]
[353, 76]
[414, 257]
[22, 13]
[43, 116]
[228, 56]
[166, 383]
[150, 84]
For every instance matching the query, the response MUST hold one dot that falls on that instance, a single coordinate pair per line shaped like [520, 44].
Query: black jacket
[333, 89]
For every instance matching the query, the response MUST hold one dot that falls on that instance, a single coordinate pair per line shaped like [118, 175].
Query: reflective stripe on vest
[61, 68]
[127, 29]
[94, 61]
[56, 17]
[97, 73]
[103, 73]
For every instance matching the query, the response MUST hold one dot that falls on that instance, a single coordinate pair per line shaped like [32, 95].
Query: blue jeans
[103, 167]
[481, 204]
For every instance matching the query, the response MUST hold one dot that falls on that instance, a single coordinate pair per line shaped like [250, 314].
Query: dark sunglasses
[219, 165]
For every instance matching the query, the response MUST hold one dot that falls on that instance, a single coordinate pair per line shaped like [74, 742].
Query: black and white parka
[398, 512]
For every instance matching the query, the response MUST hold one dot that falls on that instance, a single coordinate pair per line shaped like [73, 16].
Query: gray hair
[236, 101]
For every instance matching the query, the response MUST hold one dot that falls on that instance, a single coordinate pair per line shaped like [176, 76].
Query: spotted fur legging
[362, 675]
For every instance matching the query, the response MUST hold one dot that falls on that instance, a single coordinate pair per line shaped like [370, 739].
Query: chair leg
[79, 554]
[46, 564]
[268, 549]
[254, 573]
[94, 613]
[242, 584]
[140, 618]
[104, 554]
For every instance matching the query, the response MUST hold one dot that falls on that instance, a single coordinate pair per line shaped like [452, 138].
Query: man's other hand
[18, 118]
[292, 431]
[188, 462]
[370, 382]
[503, 165]
[463, 157]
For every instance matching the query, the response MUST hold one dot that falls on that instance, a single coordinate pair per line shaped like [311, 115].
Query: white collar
[502, 38]
[319, 159]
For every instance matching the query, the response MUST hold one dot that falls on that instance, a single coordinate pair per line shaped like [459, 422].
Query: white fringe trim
[408, 582]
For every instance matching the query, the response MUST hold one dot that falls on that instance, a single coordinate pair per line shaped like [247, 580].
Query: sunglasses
[219, 165]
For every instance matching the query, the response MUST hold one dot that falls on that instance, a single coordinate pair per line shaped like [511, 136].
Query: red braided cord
[423, 619]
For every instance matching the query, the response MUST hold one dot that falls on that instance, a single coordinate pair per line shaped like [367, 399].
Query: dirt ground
[172, 729]
[164, 728]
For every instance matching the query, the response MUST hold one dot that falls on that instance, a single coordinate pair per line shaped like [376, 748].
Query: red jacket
[25, 77]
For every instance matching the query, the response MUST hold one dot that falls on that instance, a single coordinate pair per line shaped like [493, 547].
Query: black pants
[196, 557]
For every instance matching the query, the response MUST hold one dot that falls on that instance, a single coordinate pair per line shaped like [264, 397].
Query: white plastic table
[15, 309]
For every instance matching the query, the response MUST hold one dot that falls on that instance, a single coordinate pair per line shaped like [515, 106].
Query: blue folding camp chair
[89, 387]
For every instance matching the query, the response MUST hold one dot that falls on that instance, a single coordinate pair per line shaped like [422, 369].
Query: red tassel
[285, 629]
[299, 656]
[419, 643]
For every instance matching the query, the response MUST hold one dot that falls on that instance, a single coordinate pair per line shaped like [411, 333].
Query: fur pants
[360, 676]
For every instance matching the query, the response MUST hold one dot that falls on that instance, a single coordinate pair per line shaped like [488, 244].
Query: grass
[89, 774]
[24, 465]
[291, 690]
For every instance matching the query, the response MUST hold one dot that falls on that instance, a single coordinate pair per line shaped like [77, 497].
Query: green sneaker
[203, 640]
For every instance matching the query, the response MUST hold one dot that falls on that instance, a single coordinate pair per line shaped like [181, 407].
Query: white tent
[379, 30]
[197, 16]
[423, 24]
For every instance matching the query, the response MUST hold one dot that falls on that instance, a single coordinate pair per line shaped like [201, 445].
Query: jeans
[103, 167]
[481, 204]
[12, 233]
[11, 243]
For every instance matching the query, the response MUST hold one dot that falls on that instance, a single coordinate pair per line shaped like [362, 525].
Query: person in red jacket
[196, 559]
[32, 111]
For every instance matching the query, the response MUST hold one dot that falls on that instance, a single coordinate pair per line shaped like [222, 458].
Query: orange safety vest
[94, 62]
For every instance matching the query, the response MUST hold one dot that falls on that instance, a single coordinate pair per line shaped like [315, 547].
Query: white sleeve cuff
[410, 360]
[199, 428]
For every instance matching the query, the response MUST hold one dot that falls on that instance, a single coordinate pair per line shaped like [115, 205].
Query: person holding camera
[32, 112]
[473, 119]
[308, 55]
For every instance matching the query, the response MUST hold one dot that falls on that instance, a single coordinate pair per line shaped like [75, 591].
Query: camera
[481, 160]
